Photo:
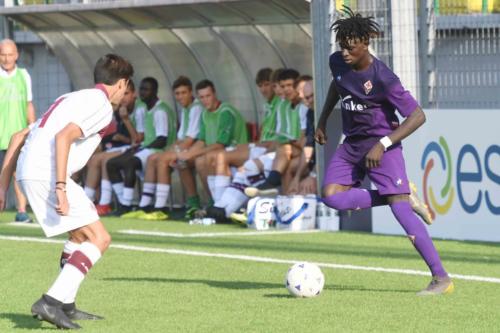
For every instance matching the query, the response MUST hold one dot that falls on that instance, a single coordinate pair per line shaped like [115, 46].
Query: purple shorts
[347, 168]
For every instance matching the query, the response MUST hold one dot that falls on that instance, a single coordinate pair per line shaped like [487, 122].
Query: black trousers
[126, 163]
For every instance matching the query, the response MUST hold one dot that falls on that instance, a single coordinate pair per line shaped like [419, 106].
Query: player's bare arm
[31, 114]
[304, 158]
[135, 137]
[407, 127]
[186, 143]
[331, 99]
[69, 134]
[9, 164]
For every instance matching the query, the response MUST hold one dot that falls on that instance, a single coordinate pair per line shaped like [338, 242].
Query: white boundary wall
[462, 187]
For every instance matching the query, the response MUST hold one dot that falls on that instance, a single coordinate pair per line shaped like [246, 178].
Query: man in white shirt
[59, 144]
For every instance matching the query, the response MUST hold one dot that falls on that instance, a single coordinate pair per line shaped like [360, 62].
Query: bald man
[16, 108]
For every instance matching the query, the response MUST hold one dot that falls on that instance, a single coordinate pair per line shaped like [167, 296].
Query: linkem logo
[461, 176]
[349, 104]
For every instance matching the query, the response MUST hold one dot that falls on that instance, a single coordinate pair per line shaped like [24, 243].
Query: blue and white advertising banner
[454, 160]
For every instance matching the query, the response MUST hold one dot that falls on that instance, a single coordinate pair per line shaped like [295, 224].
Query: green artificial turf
[160, 292]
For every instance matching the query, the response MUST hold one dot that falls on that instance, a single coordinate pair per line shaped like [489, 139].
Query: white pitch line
[260, 259]
[212, 234]
[24, 225]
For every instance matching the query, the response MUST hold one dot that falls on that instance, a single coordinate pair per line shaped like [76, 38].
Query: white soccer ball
[304, 280]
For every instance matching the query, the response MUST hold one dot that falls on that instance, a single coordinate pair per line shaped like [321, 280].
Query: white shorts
[255, 151]
[42, 198]
[120, 149]
[267, 160]
[143, 156]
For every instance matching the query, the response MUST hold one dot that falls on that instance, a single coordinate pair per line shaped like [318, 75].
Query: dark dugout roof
[227, 41]
[162, 13]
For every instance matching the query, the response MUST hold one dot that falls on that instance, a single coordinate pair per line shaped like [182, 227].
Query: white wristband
[386, 142]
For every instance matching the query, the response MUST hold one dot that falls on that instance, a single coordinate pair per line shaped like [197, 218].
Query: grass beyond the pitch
[158, 292]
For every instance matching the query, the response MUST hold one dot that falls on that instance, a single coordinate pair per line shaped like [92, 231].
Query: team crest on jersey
[368, 86]
[338, 77]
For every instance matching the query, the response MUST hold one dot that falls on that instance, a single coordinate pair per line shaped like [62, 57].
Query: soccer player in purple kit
[369, 93]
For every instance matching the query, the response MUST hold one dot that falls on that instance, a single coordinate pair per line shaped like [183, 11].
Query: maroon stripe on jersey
[100, 86]
[46, 115]
[110, 129]
[254, 179]
[80, 261]
[238, 186]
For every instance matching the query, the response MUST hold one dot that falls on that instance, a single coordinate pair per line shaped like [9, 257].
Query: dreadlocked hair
[354, 26]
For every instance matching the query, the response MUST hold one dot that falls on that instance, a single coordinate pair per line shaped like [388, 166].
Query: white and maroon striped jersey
[89, 109]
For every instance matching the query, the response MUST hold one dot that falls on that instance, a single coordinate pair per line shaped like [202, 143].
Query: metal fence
[459, 41]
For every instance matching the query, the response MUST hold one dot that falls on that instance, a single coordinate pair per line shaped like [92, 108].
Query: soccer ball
[304, 280]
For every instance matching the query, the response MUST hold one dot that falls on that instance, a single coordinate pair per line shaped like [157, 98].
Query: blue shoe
[23, 217]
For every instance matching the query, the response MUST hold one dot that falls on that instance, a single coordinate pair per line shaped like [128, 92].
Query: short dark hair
[263, 75]
[151, 80]
[303, 78]
[182, 81]
[354, 26]
[111, 68]
[275, 74]
[288, 74]
[205, 84]
[131, 85]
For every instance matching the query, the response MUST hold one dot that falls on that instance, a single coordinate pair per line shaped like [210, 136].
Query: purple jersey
[369, 98]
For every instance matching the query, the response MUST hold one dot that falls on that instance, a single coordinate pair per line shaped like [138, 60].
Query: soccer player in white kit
[58, 145]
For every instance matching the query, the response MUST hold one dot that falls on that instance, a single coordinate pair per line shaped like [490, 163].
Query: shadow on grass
[233, 285]
[24, 321]
[341, 288]
[361, 288]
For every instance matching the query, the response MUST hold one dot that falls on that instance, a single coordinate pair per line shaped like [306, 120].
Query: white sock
[233, 199]
[148, 191]
[67, 283]
[211, 185]
[128, 196]
[252, 173]
[221, 182]
[118, 188]
[90, 192]
[106, 192]
[162, 191]
[239, 180]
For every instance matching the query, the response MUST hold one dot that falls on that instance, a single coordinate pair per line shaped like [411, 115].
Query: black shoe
[216, 213]
[219, 214]
[74, 314]
[120, 210]
[50, 310]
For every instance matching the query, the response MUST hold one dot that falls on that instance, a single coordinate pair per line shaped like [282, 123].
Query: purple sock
[355, 198]
[419, 236]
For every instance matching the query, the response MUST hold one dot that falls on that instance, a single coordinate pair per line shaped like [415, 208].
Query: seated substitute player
[290, 134]
[159, 165]
[290, 127]
[160, 125]
[134, 123]
[225, 159]
[301, 82]
[112, 145]
[221, 125]
[59, 144]
[300, 175]
[276, 83]
[369, 93]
